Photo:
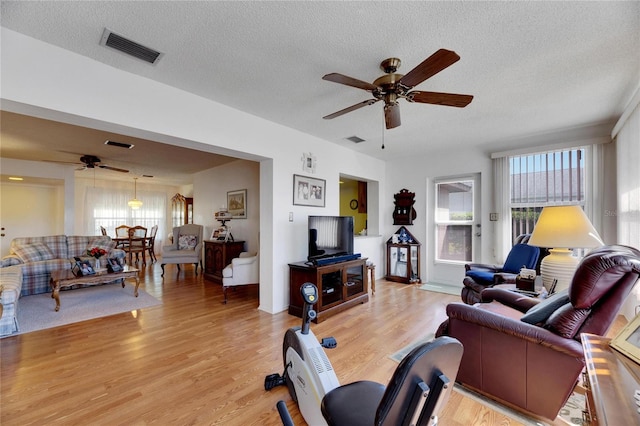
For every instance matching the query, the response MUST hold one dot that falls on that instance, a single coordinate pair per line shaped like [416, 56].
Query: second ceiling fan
[391, 87]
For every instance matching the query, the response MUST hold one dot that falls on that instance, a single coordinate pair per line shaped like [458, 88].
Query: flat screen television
[330, 236]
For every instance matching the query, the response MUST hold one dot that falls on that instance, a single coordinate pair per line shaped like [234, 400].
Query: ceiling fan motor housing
[90, 160]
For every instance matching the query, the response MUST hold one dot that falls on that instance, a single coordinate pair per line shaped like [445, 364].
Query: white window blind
[544, 179]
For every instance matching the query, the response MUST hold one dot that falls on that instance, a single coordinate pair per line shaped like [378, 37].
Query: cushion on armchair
[33, 252]
[481, 276]
[543, 310]
[187, 242]
[521, 255]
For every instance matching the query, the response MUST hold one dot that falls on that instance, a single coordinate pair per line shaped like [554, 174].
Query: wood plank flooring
[195, 361]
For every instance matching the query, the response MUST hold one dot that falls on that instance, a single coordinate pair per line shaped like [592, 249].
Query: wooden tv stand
[340, 286]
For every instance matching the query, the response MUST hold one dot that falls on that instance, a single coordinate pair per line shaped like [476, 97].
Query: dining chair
[151, 243]
[122, 231]
[137, 244]
[103, 230]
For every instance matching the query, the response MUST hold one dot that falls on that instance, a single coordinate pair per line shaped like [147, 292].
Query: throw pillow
[33, 252]
[187, 242]
[544, 309]
[107, 244]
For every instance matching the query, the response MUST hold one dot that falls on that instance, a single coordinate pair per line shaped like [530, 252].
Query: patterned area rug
[570, 414]
[37, 312]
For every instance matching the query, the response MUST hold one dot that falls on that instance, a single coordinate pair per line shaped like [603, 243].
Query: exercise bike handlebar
[309, 296]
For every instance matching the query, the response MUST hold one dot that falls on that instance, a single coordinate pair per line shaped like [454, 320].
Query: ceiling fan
[91, 162]
[391, 87]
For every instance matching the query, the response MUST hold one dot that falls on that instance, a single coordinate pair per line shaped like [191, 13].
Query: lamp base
[559, 265]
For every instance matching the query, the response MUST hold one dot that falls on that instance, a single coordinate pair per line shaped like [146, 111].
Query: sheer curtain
[108, 207]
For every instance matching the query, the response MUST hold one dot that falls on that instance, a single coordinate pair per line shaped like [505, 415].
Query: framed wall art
[308, 162]
[237, 203]
[308, 191]
[627, 340]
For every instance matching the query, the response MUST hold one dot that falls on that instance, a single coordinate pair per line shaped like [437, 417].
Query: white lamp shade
[564, 227]
[560, 228]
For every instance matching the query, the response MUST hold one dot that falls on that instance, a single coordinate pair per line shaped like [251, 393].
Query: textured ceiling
[533, 67]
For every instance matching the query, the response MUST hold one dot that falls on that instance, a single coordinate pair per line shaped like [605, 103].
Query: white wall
[37, 205]
[210, 193]
[64, 174]
[417, 176]
[117, 101]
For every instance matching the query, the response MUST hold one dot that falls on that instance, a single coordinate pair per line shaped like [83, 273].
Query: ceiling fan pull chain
[383, 130]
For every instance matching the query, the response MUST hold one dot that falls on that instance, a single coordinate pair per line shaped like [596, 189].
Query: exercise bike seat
[365, 403]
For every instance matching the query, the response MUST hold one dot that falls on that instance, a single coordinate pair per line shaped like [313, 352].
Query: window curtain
[501, 205]
[108, 207]
[628, 180]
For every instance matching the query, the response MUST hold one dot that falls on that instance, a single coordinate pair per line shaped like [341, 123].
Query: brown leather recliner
[526, 352]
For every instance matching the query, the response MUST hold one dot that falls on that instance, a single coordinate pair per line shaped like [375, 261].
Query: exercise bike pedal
[273, 380]
[328, 342]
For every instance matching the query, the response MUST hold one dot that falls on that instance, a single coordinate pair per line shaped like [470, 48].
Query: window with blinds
[544, 179]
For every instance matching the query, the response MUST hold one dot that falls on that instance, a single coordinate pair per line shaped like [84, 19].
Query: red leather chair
[526, 352]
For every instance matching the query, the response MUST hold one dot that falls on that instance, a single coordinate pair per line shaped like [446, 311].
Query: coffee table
[65, 278]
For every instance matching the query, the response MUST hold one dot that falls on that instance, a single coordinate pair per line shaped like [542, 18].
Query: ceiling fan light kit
[392, 86]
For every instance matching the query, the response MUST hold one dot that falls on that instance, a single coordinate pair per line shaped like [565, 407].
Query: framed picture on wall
[628, 340]
[237, 203]
[308, 191]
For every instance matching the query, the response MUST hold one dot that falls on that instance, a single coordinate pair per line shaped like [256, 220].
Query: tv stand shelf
[340, 286]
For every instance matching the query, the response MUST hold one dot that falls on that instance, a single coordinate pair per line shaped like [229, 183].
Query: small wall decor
[308, 162]
[237, 203]
[308, 191]
[404, 213]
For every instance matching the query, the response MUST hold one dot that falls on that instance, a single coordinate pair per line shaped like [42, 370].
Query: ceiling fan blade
[115, 169]
[349, 81]
[392, 115]
[446, 99]
[351, 108]
[429, 67]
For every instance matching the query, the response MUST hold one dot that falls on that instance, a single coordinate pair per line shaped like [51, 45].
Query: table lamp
[561, 228]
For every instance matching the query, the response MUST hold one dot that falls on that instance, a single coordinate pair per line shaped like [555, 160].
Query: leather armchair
[186, 247]
[527, 352]
[242, 270]
[479, 276]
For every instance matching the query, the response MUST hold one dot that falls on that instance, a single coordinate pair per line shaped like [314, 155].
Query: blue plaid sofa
[11, 284]
[38, 256]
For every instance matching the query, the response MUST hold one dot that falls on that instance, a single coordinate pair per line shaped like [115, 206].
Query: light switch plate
[290, 216]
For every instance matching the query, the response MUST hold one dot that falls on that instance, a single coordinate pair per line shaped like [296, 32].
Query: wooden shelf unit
[217, 255]
[340, 286]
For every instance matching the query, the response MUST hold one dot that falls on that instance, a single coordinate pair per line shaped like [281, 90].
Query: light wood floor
[196, 361]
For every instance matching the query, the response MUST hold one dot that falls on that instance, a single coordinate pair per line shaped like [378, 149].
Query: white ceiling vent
[130, 47]
[355, 139]
[119, 144]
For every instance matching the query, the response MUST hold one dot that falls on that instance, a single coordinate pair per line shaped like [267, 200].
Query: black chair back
[434, 364]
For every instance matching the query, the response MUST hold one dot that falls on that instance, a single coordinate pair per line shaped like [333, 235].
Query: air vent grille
[119, 144]
[355, 139]
[130, 47]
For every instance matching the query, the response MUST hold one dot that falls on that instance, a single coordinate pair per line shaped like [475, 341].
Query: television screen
[330, 236]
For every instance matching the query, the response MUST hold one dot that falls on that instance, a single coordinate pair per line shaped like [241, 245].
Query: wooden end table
[65, 278]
